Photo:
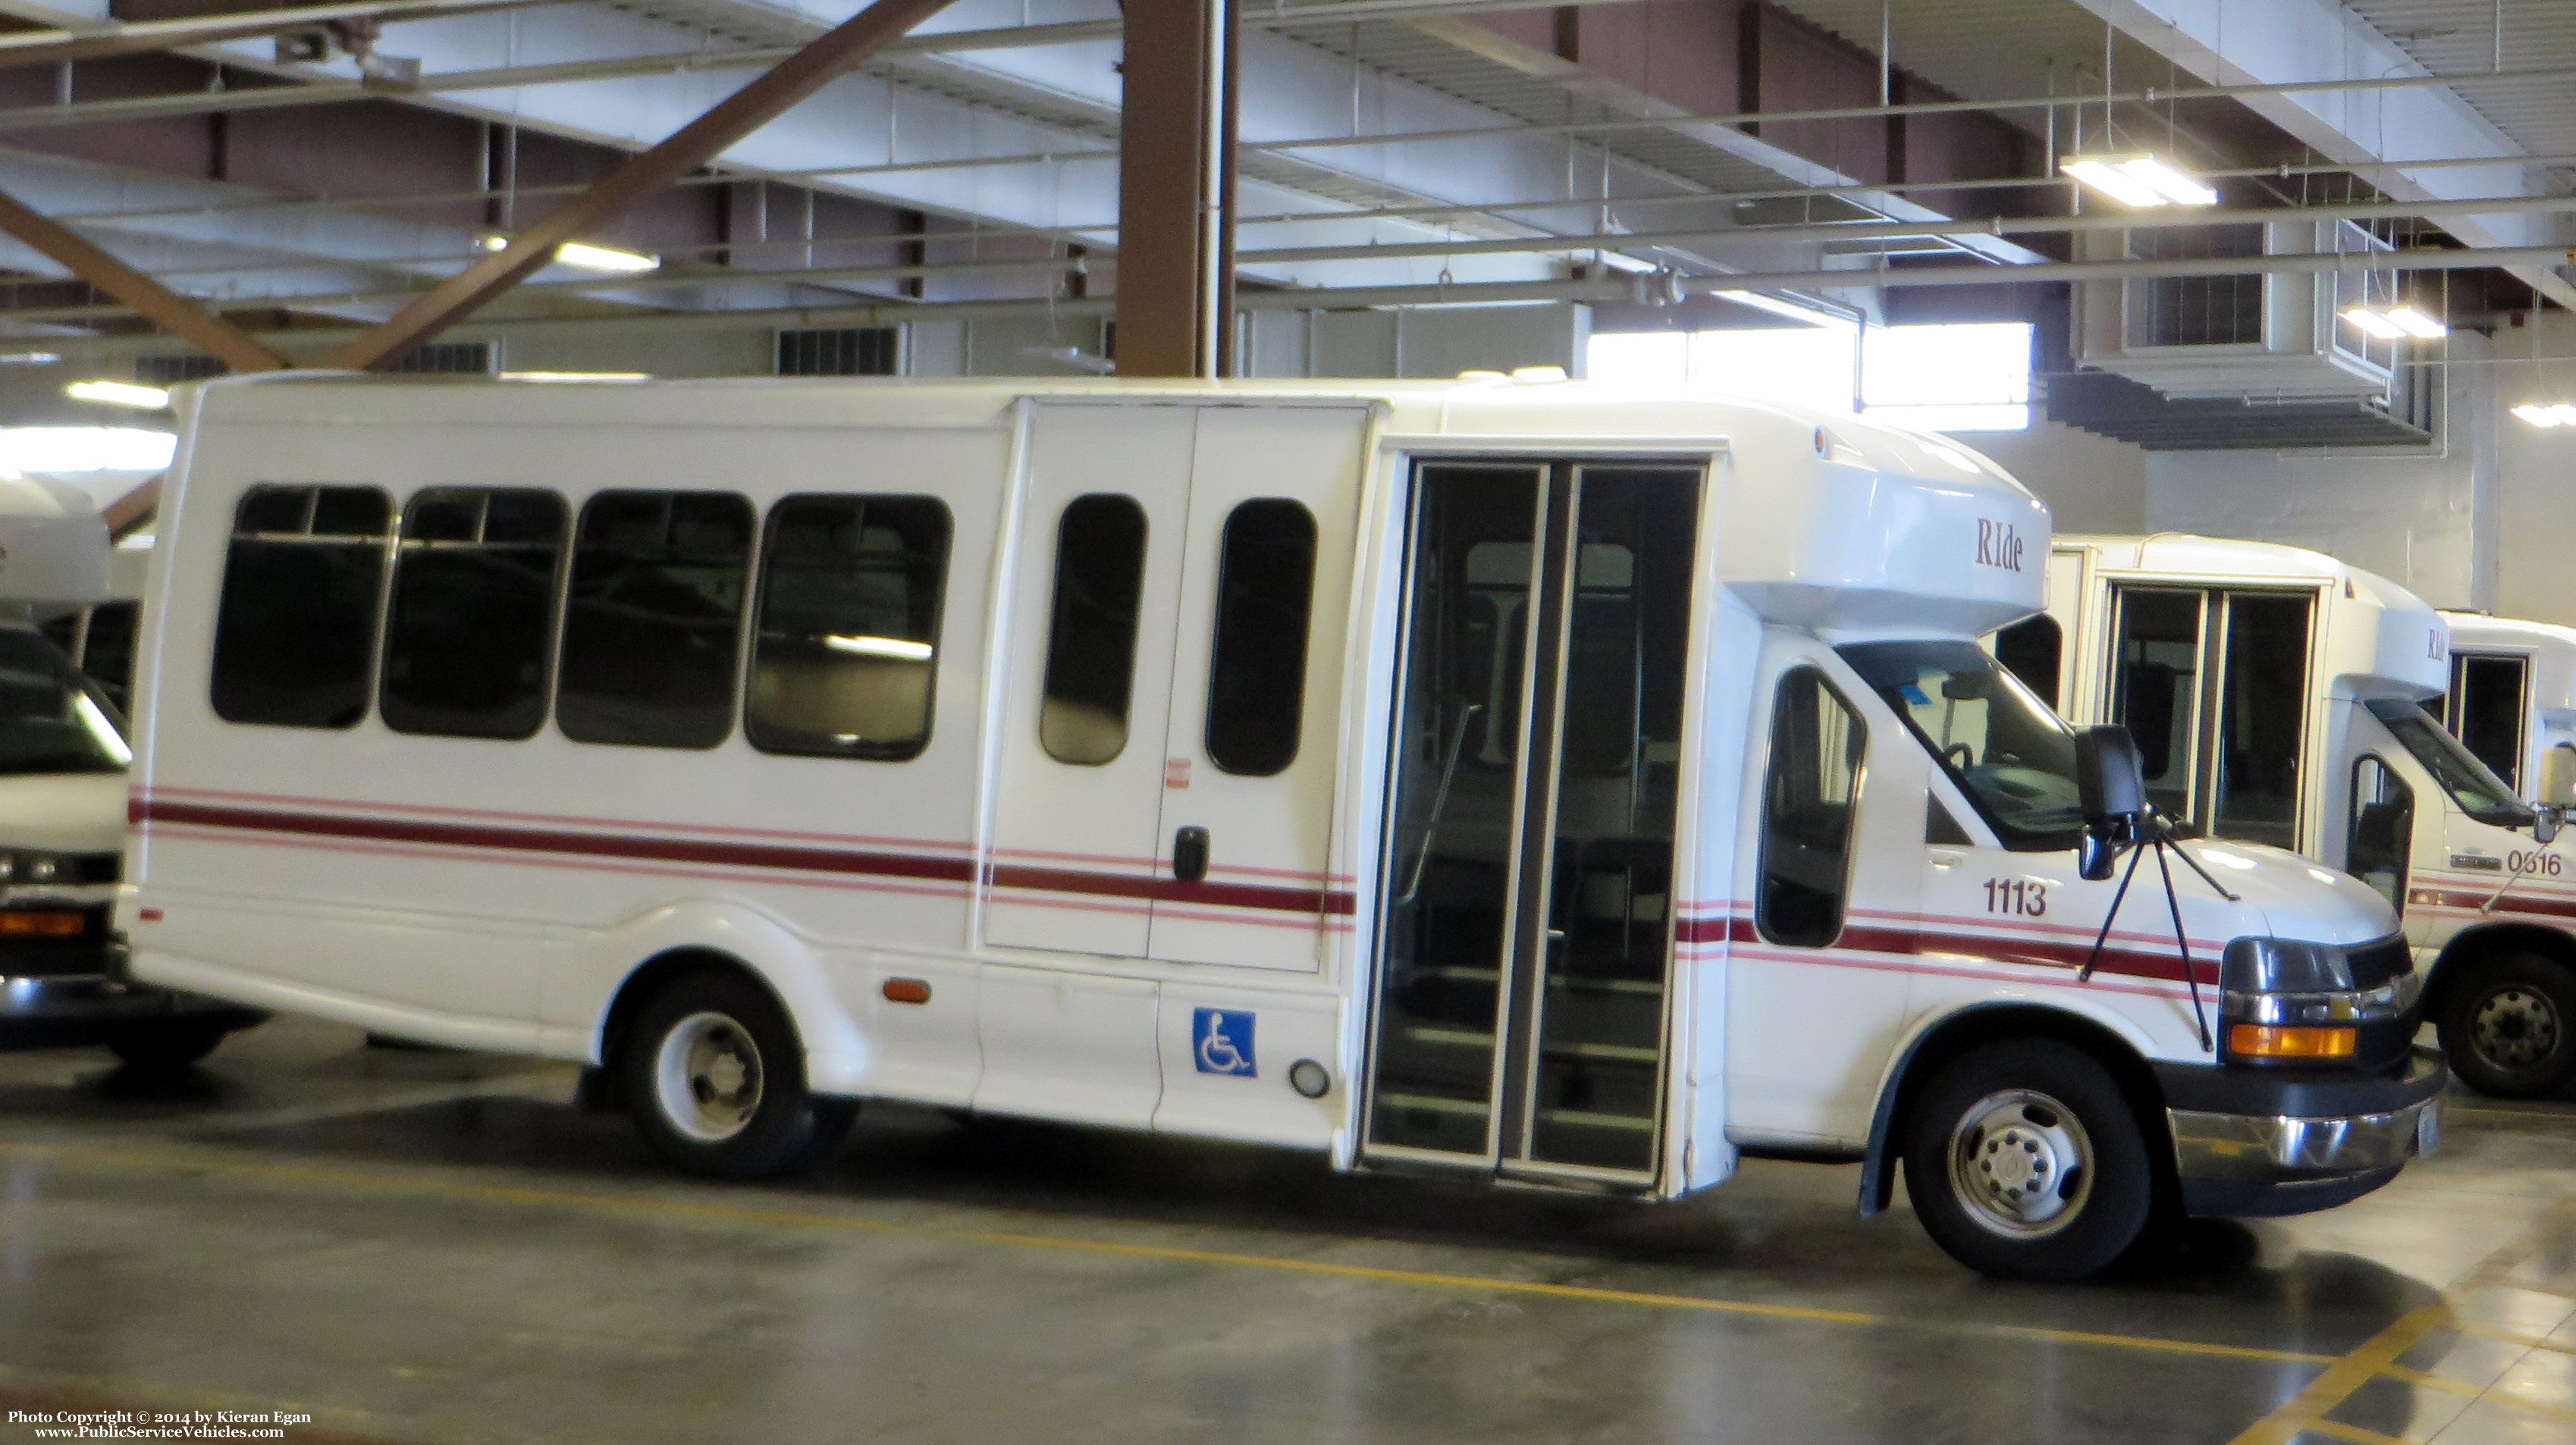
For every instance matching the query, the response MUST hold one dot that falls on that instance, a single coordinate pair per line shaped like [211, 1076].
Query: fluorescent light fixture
[601, 258]
[2142, 181]
[881, 647]
[56, 449]
[120, 393]
[2565, 413]
[1790, 309]
[2373, 323]
[1627, 265]
[2172, 183]
[2543, 417]
[28, 358]
[576, 376]
[2416, 323]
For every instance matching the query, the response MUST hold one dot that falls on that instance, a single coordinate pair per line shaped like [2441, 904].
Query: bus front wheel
[714, 1077]
[2024, 1160]
[2508, 1025]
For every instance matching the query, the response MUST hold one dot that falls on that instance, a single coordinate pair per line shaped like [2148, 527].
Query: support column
[1176, 190]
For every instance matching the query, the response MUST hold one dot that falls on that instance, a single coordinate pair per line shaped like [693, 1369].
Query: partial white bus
[2280, 696]
[1523, 781]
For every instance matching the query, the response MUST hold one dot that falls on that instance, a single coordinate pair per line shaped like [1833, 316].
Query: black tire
[2508, 1024]
[2058, 1125]
[713, 1075]
[166, 1048]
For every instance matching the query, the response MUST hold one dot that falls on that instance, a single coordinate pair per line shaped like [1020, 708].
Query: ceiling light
[494, 243]
[881, 647]
[576, 376]
[2546, 416]
[2373, 323]
[120, 393]
[601, 258]
[2140, 181]
[2416, 323]
[1790, 309]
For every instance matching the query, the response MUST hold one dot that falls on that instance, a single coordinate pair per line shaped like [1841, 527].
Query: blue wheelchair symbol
[1222, 1040]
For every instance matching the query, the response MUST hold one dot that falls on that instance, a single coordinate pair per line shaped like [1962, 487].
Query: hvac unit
[2260, 336]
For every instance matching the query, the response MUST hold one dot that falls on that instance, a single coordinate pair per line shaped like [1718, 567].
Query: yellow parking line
[2305, 1411]
[2353, 1433]
[193, 1162]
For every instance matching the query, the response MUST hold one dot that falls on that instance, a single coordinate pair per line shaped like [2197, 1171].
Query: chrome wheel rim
[708, 1077]
[2514, 1027]
[2021, 1164]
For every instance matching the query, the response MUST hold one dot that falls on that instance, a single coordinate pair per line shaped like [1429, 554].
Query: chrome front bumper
[2275, 1148]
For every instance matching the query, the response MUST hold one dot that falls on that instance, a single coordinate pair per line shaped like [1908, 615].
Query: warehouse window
[295, 628]
[1091, 632]
[449, 358]
[1257, 665]
[171, 370]
[840, 351]
[847, 645]
[653, 619]
[472, 623]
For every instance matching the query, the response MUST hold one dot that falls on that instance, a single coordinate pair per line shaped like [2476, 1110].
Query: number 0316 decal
[2025, 897]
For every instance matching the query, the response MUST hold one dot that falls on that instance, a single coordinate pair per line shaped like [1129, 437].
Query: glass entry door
[1520, 1010]
[2213, 684]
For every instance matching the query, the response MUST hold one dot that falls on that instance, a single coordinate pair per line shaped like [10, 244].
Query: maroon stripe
[1991, 948]
[2509, 903]
[738, 855]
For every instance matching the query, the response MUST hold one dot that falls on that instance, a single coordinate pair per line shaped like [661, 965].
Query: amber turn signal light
[2259, 1041]
[41, 925]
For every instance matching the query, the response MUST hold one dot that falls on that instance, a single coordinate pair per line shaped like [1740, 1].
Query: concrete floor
[431, 1247]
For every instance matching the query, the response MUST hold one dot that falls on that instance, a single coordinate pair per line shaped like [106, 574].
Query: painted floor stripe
[2305, 1411]
[194, 1163]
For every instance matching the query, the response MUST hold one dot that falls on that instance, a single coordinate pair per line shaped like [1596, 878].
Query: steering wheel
[1967, 756]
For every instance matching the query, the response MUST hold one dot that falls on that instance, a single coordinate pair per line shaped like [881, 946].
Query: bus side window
[295, 627]
[1257, 665]
[2383, 825]
[845, 649]
[2033, 649]
[1091, 629]
[653, 619]
[472, 625]
[1808, 800]
[2485, 709]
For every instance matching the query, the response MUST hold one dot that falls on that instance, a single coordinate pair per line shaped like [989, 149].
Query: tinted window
[49, 721]
[2033, 648]
[2013, 758]
[2485, 711]
[2383, 821]
[1257, 667]
[295, 630]
[653, 619]
[472, 624]
[2262, 719]
[107, 651]
[2156, 692]
[1091, 632]
[1809, 795]
[848, 637]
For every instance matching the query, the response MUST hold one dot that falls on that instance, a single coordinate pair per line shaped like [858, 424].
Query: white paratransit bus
[2280, 696]
[1532, 781]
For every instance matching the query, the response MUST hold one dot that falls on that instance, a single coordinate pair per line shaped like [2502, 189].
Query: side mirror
[2544, 826]
[2111, 783]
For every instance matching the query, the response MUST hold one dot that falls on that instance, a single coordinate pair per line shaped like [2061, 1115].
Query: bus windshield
[2477, 791]
[50, 719]
[2013, 757]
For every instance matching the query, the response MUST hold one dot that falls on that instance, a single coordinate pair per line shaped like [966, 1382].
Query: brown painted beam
[684, 150]
[134, 510]
[164, 307]
[1175, 286]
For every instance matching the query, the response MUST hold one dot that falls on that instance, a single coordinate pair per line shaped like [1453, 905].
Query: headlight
[2288, 1000]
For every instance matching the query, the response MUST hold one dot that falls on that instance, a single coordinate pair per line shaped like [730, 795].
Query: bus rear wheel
[2509, 1026]
[2024, 1160]
[713, 1075]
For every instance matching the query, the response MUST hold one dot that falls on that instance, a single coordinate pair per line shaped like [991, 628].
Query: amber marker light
[41, 925]
[2263, 1041]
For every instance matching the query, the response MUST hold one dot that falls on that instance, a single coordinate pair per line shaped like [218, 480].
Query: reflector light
[906, 990]
[25, 924]
[2259, 1041]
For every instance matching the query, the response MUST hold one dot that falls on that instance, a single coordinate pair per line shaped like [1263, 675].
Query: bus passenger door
[1248, 771]
[1526, 945]
[1078, 766]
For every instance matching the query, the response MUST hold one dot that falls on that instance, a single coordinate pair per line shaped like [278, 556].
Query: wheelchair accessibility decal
[1222, 1040]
